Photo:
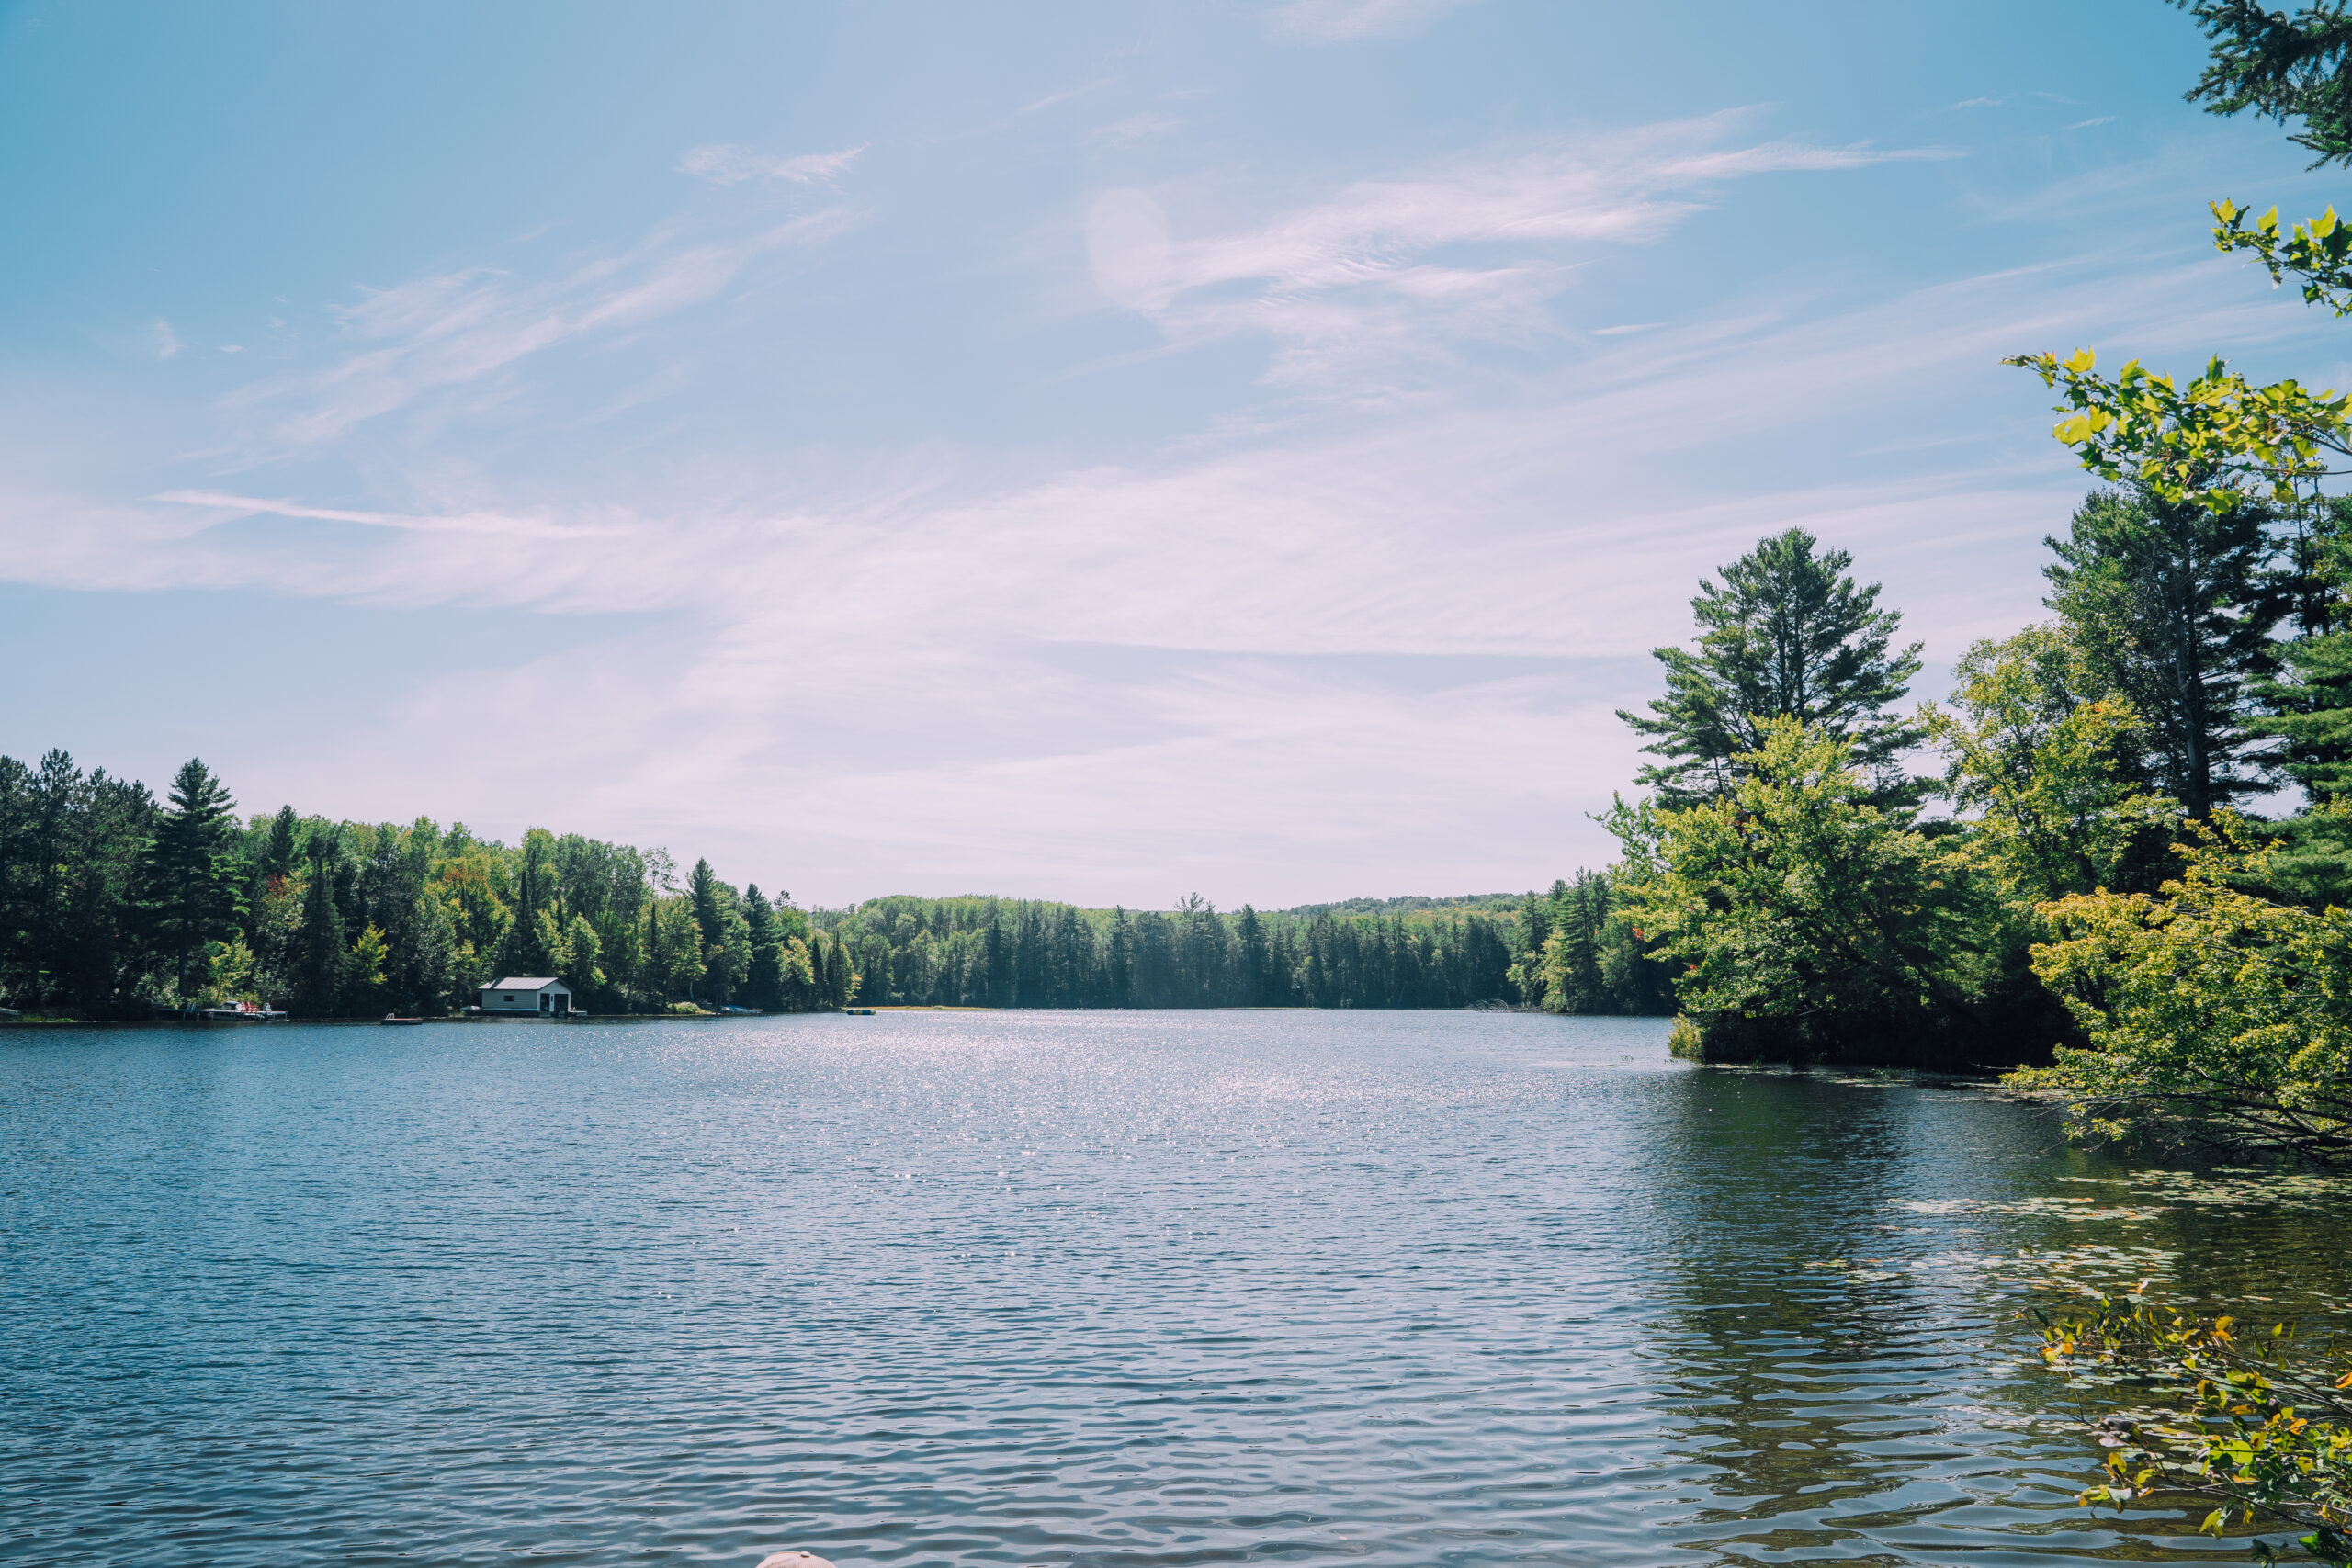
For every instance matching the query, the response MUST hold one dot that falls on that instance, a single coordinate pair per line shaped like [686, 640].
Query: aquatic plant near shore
[2257, 1424]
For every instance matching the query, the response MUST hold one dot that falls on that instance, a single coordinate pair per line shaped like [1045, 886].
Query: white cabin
[527, 993]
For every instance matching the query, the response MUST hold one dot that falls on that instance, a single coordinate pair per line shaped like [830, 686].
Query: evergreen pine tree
[1535, 919]
[536, 934]
[765, 983]
[820, 979]
[2167, 602]
[997, 948]
[2284, 65]
[280, 850]
[2311, 703]
[1119, 960]
[190, 874]
[1786, 635]
[1251, 936]
[321, 959]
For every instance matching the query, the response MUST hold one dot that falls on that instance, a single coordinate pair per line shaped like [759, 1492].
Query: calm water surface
[1158, 1289]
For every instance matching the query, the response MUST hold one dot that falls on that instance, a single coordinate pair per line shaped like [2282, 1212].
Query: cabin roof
[524, 983]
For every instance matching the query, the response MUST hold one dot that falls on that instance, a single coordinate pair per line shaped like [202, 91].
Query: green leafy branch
[2213, 440]
[2263, 1428]
[2317, 250]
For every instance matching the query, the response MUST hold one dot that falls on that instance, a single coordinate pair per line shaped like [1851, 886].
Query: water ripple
[1085, 1289]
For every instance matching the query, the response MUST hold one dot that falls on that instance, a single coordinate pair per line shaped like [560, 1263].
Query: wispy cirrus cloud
[456, 329]
[1037, 105]
[1028, 666]
[1350, 21]
[472, 525]
[726, 164]
[1465, 248]
[1148, 126]
[1068, 681]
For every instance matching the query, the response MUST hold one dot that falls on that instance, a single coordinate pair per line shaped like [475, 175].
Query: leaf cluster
[2217, 439]
[2032, 762]
[2214, 1011]
[2260, 1425]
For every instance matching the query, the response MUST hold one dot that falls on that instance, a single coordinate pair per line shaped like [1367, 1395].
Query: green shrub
[1683, 1041]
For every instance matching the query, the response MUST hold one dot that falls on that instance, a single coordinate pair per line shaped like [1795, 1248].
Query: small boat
[859, 1012]
[395, 1018]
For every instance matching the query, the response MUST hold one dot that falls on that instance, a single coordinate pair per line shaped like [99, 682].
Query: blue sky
[1092, 451]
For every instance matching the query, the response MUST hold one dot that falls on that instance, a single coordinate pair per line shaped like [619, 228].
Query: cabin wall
[494, 1000]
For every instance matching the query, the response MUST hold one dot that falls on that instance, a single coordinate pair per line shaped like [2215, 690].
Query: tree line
[982, 952]
[114, 905]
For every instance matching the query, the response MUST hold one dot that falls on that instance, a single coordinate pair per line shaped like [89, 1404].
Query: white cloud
[1051, 99]
[473, 525]
[167, 341]
[1042, 674]
[1128, 250]
[1465, 248]
[1348, 21]
[1148, 126]
[1094, 677]
[724, 165]
[446, 332]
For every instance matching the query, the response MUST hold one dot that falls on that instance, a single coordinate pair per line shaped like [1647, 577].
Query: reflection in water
[1843, 1262]
[1381, 1289]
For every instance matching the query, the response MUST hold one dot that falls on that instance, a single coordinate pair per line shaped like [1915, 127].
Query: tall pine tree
[191, 877]
[766, 982]
[2167, 602]
[321, 959]
[1787, 635]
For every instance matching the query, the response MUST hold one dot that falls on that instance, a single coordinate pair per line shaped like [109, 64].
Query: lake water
[1159, 1289]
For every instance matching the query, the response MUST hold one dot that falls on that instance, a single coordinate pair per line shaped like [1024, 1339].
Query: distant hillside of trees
[1417, 904]
[115, 905]
[1010, 952]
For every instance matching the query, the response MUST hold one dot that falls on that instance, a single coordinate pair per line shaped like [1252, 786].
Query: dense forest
[115, 905]
[1000, 953]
